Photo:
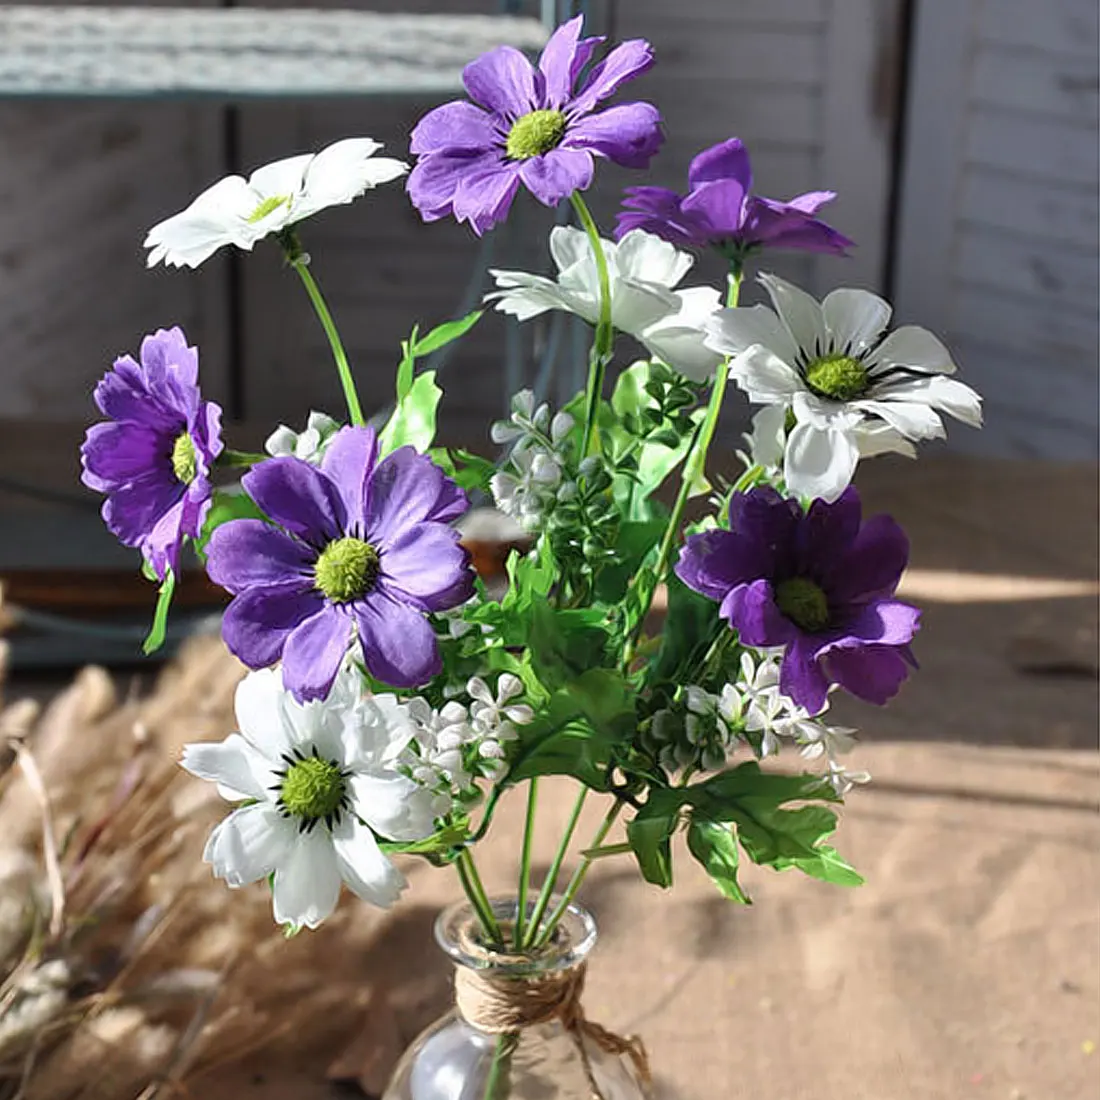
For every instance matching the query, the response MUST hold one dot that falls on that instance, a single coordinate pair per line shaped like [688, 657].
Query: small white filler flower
[241, 212]
[852, 390]
[319, 782]
[642, 271]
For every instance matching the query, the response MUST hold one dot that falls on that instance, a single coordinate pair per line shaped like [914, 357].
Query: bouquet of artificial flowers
[393, 699]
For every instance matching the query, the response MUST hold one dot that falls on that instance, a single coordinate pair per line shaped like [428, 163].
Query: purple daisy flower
[819, 583]
[154, 456]
[720, 212]
[362, 549]
[527, 125]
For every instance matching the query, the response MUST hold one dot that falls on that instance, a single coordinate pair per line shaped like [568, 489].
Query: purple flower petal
[313, 653]
[622, 64]
[563, 59]
[629, 134]
[886, 622]
[406, 489]
[298, 497]
[657, 210]
[713, 562]
[454, 126]
[874, 563]
[399, 645]
[247, 552]
[811, 202]
[123, 394]
[426, 564]
[348, 463]
[114, 453]
[502, 81]
[161, 545]
[258, 621]
[801, 678]
[720, 205]
[769, 523]
[828, 531]
[556, 175]
[872, 673]
[206, 435]
[728, 160]
[483, 199]
[132, 510]
[166, 353]
[750, 609]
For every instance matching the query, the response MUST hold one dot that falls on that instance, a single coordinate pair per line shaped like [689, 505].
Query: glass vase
[517, 1031]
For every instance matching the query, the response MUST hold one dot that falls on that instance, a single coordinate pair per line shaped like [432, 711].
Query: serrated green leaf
[155, 638]
[650, 832]
[564, 644]
[472, 472]
[560, 742]
[446, 333]
[715, 847]
[413, 420]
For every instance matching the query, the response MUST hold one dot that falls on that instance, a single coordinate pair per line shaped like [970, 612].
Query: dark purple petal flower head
[720, 212]
[531, 126]
[820, 583]
[153, 457]
[363, 549]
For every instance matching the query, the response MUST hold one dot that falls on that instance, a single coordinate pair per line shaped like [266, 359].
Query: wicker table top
[239, 53]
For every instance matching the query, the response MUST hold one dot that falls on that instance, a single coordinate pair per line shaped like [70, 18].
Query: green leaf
[559, 742]
[440, 842]
[566, 643]
[606, 700]
[155, 638]
[227, 504]
[650, 834]
[636, 539]
[715, 847]
[446, 333]
[472, 472]
[413, 421]
[406, 366]
[826, 864]
[691, 624]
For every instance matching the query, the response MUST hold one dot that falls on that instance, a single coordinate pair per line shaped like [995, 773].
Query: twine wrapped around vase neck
[505, 1005]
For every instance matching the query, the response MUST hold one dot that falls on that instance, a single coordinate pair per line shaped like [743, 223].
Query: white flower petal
[260, 713]
[478, 689]
[912, 419]
[393, 806]
[281, 178]
[875, 437]
[820, 462]
[734, 331]
[249, 844]
[508, 686]
[214, 219]
[912, 346]
[569, 246]
[341, 172]
[766, 443]
[364, 867]
[376, 732]
[238, 769]
[524, 296]
[799, 312]
[949, 395]
[855, 319]
[647, 257]
[282, 441]
[307, 882]
[635, 305]
[678, 339]
[766, 378]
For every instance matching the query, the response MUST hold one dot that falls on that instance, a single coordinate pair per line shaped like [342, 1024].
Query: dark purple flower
[362, 549]
[720, 212]
[819, 583]
[528, 125]
[153, 457]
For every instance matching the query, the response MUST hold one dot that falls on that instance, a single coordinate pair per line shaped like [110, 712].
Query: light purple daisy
[819, 583]
[154, 456]
[363, 549]
[720, 212]
[531, 126]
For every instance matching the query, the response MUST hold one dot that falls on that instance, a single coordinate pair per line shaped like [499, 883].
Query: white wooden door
[997, 230]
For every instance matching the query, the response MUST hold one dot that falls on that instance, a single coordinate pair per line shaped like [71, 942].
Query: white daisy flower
[241, 212]
[842, 780]
[852, 389]
[319, 781]
[309, 445]
[643, 272]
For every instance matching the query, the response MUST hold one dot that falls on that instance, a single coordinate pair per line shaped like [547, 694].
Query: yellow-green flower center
[312, 789]
[534, 134]
[268, 206]
[804, 603]
[184, 463]
[346, 569]
[839, 377]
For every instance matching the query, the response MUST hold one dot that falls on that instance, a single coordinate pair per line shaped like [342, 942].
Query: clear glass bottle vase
[516, 1031]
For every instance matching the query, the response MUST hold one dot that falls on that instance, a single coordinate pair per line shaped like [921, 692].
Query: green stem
[605, 334]
[230, 457]
[475, 891]
[578, 875]
[547, 891]
[299, 261]
[692, 470]
[607, 850]
[525, 862]
[497, 1083]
